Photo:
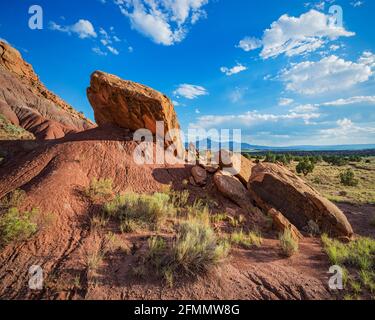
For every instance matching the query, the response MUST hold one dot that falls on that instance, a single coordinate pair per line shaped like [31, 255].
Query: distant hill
[245, 147]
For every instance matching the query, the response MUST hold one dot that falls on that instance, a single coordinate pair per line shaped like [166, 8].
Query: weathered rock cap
[131, 105]
[273, 186]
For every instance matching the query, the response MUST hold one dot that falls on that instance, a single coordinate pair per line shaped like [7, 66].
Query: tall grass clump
[140, 211]
[289, 245]
[251, 239]
[100, 189]
[196, 248]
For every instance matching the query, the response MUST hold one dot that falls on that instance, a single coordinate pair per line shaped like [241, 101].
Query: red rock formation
[27, 103]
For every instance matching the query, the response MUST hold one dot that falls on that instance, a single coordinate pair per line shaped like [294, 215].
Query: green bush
[17, 226]
[305, 167]
[348, 178]
[270, 157]
[289, 245]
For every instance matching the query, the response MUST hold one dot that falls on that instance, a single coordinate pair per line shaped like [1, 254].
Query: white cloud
[163, 21]
[352, 100]
[249, 43]
[294, 36]
[83, 28]
[329, 74]
[190, 91]
[249, 119]
[305, 108]
[107, 39]
[357, 4]
[346, 128]
[285, 102]
[368, 59]
[99, 51]
[234, 70]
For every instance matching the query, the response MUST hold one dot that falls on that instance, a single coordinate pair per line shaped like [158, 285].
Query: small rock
[199, 175]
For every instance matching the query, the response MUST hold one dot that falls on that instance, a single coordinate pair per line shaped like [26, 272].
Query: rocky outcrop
[27, 103]
[272, 186]
[232, 188]
[131, 105]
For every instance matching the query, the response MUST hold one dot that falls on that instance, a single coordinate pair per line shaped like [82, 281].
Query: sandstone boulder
[236, 164]
[130, 105]
[233, 189]
[200, 175]
[280, 223]
[273, 186]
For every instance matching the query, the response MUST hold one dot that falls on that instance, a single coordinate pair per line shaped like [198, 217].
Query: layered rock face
[27, 103]
[273, 186]
[130, 105]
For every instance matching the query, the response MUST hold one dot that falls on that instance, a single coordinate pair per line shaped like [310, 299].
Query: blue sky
[278, 70]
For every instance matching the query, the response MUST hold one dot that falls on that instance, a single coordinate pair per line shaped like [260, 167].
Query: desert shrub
[336, 160]
[194, 251]
[98, 222]
[180, 199]
[355, 158]
[17, 226]
[289, 245]
[93, 257]
[99, 190]
[282, 158]
[270, 157]
[13, 199]
[196, 248]
[305, 167]
[140, 211]
[347, 178]
[253, 238]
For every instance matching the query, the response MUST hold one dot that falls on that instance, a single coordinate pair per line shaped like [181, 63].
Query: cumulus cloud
[294, 36]
[190, 91]
[165, 22]
[345, 128]
[249, 119]
[234, 70]
[329, 74]
[83, 28]
[249, 43]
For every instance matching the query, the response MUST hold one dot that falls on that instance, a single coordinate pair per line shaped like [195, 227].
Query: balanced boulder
[273, 186]
[131, 105]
